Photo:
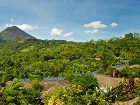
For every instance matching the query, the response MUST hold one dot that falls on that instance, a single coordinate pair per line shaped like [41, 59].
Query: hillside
[86, 65]
[14, 33]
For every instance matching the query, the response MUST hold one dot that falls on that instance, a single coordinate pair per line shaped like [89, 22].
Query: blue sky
[78, 20]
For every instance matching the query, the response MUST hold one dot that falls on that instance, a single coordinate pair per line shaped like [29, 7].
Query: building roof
[116, 66]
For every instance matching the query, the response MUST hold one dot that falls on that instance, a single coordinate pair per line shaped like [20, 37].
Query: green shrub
[35, 83]
[130, 72]
[86, 81]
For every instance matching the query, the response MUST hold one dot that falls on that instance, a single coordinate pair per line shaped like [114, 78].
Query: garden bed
[106, 81]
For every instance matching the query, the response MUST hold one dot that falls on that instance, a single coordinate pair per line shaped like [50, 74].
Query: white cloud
[27, 27]
[11, 20]
[56, 32]
[114, 24]
[60, 32]
[91, 31]
[68, 34]
[8, 25]
[95, 25]
[23, 26]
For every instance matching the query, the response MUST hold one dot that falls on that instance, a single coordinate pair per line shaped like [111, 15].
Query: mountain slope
[14, 33]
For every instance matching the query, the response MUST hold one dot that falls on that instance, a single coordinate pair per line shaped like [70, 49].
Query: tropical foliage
[75, 61]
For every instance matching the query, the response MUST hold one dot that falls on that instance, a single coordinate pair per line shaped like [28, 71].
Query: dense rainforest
[35, 59]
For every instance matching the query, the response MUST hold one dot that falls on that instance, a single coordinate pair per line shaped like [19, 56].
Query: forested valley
[33, 60]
